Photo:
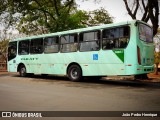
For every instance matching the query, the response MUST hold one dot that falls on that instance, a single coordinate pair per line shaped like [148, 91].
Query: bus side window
[124, 36]
[89, 41]
[51, 45]
[23, 48]
[69, 43]
[36, 46]
[115, 37]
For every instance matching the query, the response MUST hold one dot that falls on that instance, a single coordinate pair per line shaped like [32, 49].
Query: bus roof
[78, 30]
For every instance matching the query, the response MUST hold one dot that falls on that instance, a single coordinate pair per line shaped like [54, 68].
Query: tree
[150, 12]
[157, 51]
[157, 60]
[48, 16]
[39, 16]
[148, 8]
[99, 16]
[44, 16]
[3, 47]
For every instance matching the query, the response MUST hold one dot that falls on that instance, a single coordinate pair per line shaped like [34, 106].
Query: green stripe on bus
[120, 54]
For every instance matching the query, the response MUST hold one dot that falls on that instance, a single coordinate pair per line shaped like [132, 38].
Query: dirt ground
[153, 75]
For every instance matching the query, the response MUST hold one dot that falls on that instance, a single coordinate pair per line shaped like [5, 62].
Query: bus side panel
[49, 64]
[101, 63]
[53, 64]
[95, 63]
[103, 69]
[131, 53]
[12, 66]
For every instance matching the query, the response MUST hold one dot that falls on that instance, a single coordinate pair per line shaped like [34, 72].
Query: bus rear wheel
[75, 73]
[22, 71]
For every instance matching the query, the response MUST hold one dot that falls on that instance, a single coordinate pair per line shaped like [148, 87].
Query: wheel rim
[74, 73]
[23, 71]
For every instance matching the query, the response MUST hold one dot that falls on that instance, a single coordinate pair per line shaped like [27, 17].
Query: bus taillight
[139, 55]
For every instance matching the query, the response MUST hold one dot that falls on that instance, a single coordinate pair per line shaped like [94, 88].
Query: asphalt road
[59, 94]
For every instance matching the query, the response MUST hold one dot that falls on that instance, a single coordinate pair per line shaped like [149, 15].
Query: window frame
[35, 39]
[95, 40]
[76, 43]
[115, 39]
[24, 47]
[58, 43]
[142, 24]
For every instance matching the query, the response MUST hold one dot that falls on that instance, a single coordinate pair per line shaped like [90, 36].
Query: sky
[116, 8]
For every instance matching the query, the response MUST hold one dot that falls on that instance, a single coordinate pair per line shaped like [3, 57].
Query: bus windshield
[145, 33]
[12, 50]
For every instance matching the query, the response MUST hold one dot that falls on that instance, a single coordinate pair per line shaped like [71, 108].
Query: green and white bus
[113, 49]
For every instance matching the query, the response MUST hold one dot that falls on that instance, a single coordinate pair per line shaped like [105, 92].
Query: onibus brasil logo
[21, 114]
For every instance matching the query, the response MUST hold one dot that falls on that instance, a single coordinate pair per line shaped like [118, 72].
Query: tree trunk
[156, 68]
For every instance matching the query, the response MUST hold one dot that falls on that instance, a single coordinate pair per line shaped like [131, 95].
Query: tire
[22, 71]
[74, 73]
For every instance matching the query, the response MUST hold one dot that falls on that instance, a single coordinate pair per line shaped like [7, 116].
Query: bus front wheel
[74, 73]
[22, 71]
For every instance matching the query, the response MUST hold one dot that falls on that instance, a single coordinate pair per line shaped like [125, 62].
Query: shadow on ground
[103, 81]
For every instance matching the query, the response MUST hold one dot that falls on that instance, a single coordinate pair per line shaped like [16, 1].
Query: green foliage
[157, 57]
[158, 32]
[3, 49]
[44, 16]
[99, 16]
[156, 61]
[157, 53]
